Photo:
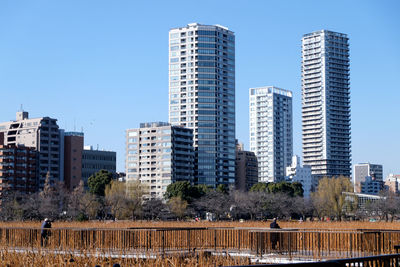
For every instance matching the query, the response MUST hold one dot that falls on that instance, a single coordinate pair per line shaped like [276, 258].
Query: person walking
[45, 232]
[274, 236]
[274, 224]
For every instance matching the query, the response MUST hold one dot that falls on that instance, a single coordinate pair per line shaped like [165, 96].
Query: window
[207, 51]
[174, 35]
[174, 66]
[132, 134]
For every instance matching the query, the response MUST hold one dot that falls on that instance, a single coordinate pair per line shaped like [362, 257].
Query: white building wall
[301, 174]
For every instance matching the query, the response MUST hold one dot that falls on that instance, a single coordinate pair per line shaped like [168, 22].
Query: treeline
[110, 199]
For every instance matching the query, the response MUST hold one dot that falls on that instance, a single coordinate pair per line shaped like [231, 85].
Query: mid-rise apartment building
[246, 169]
[271, 131]
[18, 169]
[392, 183]
[158, 154]
[43, 135]
[326, 103]
[202, 97]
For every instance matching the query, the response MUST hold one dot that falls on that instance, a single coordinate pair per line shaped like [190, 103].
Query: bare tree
[82, 205]
[387, 207]
[215, 202]
[177, 206]
[154, 209]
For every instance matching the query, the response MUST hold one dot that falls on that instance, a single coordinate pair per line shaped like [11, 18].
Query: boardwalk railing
[390, 260]
[309, 243]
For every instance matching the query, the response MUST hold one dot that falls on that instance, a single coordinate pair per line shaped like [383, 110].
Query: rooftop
[270, 90]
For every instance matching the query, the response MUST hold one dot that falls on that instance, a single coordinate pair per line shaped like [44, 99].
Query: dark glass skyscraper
[202, 97]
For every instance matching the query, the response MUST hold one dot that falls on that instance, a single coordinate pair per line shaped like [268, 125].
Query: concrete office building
[43, 135]
[271, 131]
[246, 169]
[202, 97]
[158, 154]
[18, 169]
[371, 186]
[302, 174]
[368, 178]
[94, 160]
[326, 103]
[73, 152]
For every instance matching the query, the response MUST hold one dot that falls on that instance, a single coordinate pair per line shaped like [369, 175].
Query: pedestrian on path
[45, 232]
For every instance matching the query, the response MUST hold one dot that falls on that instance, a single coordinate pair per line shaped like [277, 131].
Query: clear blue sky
[103, 65]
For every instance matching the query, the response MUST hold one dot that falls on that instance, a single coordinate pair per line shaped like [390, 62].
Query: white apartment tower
[202, 97]
[271, 131]
[326, 103]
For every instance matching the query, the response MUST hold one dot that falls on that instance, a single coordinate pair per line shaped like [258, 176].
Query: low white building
[301, 174]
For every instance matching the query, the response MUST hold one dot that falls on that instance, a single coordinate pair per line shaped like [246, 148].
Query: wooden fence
[292, 242]
[391, 260]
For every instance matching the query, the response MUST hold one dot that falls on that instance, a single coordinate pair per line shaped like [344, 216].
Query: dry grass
[35, 259]
[258, 224]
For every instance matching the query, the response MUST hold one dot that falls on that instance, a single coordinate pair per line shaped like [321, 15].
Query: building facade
[18, 169]
[246, 169]
[94, 160]
[368, 178]
[73, 152]
[158, 154]
[43, 135]
[326, 103]
[302, 174]
[271, 131]
[202, 97]
[392, 183]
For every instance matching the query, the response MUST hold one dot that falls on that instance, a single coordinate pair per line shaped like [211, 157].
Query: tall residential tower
[202, 97]
[326, 103]
[271, 131]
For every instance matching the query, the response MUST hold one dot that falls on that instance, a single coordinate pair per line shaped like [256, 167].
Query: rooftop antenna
[74, 124]
[22, 108]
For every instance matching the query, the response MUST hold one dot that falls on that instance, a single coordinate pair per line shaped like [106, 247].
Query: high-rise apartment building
[202, 97]
[42, 134]
[158, 154]
[326, 103]
[368, 178]
[271, 131]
